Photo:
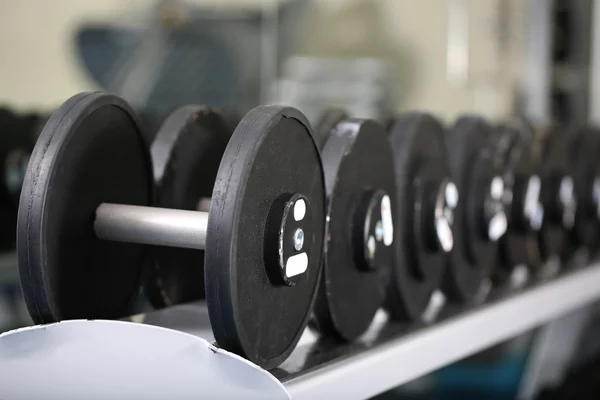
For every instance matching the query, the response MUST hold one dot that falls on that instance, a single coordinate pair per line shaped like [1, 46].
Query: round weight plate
[585, 147]
[520, 245]
[474, 172]
[558, 195]
[272, 155]
[361, 193]
[419, 158]
[91, 151]
[186, 153]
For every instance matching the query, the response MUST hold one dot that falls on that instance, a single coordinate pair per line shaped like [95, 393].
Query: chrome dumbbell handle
[151, 225]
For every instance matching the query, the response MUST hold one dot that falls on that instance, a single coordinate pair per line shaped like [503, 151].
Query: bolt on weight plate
[186, 153]
[361, 201]
[423, 219]
[272, 153]
[91, 151]
[480, 218]
[512, 149]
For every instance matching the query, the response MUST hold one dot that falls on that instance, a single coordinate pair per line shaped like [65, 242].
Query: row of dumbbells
[275, 223]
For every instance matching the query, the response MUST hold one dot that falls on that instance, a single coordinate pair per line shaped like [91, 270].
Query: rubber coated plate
[418, 144]
[585, 147]
[555, 164]
[91, 151]
[358, 162]
[186, 154]
[473, 168]
[272, 153]
[520, 245]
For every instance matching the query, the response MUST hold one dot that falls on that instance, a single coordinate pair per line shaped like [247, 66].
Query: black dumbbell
[361, 201]
[480, 220]
[583, 148]
[86, 216]
[427, 199]
[523, 204]
[558, 193]
[572, 173]
[186, 154]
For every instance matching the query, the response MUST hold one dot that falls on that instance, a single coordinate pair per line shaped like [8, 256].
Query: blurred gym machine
[234, 53]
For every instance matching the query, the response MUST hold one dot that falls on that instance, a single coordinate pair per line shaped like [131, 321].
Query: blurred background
[497, 58]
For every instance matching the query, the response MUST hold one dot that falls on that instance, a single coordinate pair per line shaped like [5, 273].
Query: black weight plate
[272, 153]
[186, 153]
[512, 143]
[585, 147]
[556, 163]
[418, 143]
[358, 162]
[473, 168]
[91, 151]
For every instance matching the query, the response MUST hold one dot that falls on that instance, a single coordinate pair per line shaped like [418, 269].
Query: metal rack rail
[391, 354]
[386, 356]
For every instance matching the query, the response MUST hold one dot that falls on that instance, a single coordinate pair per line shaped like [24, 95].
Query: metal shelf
[391, 354]
[402, 359]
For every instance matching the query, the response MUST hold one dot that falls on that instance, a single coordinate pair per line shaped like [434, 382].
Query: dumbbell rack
[389, 355]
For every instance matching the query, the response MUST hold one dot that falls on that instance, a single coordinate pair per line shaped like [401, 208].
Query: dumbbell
[427, 199]
[86, 218]
[583, 148]
[557, 194]
[361, 203]
[576, 214]
[512, 141]
[186, 153]
[480, 220]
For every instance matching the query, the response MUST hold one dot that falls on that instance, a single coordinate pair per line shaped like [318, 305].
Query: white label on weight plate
[299, 210]
[386, 219]
[296, 265]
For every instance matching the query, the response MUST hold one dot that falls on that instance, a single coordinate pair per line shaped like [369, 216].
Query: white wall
[38, 68]
[413, 35]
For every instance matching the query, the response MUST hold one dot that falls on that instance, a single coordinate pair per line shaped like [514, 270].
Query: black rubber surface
[555, 163]
[584, 152]
[358, 160]
[513, 149]
[91, 151]
[472, 167]
[418, 143]
[186, 153]
[272, 152]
